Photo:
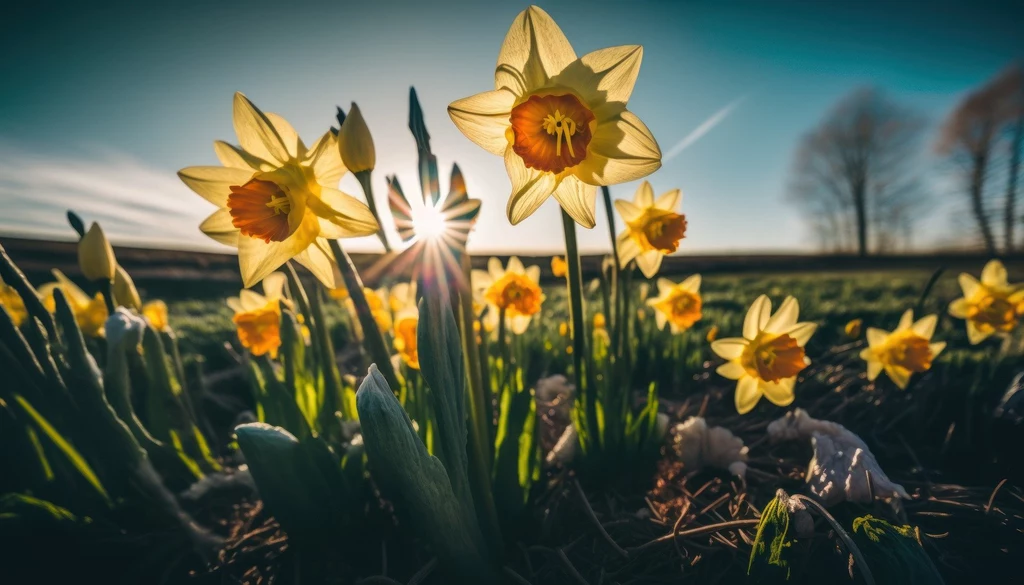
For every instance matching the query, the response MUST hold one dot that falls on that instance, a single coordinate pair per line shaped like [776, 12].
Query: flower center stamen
[560, 126]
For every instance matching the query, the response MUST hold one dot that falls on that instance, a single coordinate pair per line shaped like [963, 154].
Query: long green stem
[373, 339]
[367, 184]
[585, 390]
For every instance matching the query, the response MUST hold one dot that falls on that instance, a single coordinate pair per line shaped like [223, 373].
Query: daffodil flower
[155, 313]
[677, 305]
[277, 199]
[905, 351]
[11, 301]
[559, 121]
[514, 290]
[258, 316]
[90, 312]
[766, 360]
[403, 303]
[990, 307]
[653, 228]
[559, 267]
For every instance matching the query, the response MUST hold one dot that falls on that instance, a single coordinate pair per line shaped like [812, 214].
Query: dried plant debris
[843, 468]
[697, 446]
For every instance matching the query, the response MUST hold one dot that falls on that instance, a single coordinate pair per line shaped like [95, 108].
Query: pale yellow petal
[876, 337]
[325, 160]
[959, 308]
[665, 285]
[251, 300]
[785, 318]
[906, 320]
[605, 75]
[669, 200]
[256, 133]
[346, 212]
[219, 227]
[779, 393]
[480, 279]
[968, 284]
[230, 155]
[994, 274]
[289, 137]
[802, 332]
[533, 273]
[729, 348]
[748, 393]
[925, 326]
[649, 262]
[519, 324]
[235, 304]
[757, 317]
[273, 285]
[660, 319]
[495, 268]
[627, 210]
[530, 188]
[976, 335]
[899, 376]
[319, 260]
[644, 196]
[515, 265]
[214, 183]
[578, 200]
[731, 370]
[257, 259]
[936, 348]
[874, 368]
[628, 249]
[484, 118]
[534, 51]
[691, 283]
[622, 150]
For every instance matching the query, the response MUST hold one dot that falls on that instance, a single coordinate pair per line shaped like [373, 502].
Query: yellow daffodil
[277, 199]
[559, 121]
[559, 267]
[12, 302]
[155, 313]
[712, 334]
[258, 316]
[95, 256]
[678, 305]
[599, 321]
[653, 228]
[990, 307]
[402, 300]
[853, 328]
[766, 360]
[90, 312]
[563, 329]
[514, 290]
[378, 302]
[905, 351]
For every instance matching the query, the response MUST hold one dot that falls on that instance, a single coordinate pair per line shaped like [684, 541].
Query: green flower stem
[364, 181]
[372, 337]
[615, 320]
[585, 390]
[107, 290]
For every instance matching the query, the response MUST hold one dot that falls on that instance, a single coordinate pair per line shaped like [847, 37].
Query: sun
[430, 223]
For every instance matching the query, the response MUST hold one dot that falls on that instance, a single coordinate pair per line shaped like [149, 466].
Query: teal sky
[100, 103]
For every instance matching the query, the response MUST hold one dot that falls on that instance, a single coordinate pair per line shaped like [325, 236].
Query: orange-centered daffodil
[677, 305]
[653, 228]
[514, 290]
[402, 301]
[258, 316]
[559, 121]
[905, 351]
[766, 360]
[90, 312]
[992, 306]
[277, 199]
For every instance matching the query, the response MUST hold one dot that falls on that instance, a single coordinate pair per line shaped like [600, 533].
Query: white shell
[698, 446]
[842, 461]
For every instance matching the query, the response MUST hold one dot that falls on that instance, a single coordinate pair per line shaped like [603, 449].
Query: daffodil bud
[355, 142]
[125, 293]
[95, 256]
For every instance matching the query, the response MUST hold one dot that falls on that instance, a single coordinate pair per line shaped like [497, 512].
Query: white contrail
[703, 129]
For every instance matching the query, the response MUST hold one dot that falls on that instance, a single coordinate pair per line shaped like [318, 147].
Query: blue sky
[100, 103]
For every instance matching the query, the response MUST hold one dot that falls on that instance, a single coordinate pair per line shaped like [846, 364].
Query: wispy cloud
[705, 127]
[136, 203]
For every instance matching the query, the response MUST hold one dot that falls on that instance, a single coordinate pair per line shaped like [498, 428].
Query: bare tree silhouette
[973, 138]
[857, 169]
